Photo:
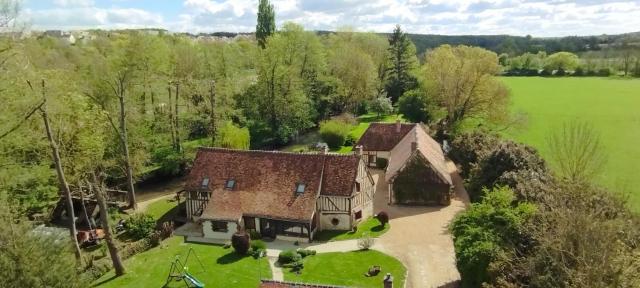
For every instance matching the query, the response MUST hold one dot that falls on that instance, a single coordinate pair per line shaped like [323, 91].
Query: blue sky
[517, 17]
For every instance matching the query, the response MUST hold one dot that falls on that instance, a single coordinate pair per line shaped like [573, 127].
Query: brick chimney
[359, 150]
[387, 281]
[398, 125]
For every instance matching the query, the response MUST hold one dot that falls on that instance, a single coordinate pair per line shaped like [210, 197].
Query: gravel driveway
[419, 237]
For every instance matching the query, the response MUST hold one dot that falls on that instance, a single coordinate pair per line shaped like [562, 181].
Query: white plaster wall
[325, 221]
[367, 210]
[232, 227]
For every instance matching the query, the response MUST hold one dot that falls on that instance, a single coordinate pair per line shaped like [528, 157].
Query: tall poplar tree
[266, 22]
[402, 61]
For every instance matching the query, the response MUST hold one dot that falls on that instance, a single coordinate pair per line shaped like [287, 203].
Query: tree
[577, 151]
[381, 106]
[403, 61]
[487, 233]
[32, 257]
[9, 10]
[461, 80]
[354, 70]
[231, 136]
[64, 185]
[561, 61]
[277, 103]
[413, 105]
[334, 133]
[266, 22]
[98, 190]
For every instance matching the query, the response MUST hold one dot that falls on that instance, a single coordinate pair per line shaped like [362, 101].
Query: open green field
[611, 105]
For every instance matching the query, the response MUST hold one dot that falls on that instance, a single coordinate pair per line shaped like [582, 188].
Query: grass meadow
[611, 105]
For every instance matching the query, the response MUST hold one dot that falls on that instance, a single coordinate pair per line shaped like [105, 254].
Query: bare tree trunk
[125, 147]
[104, 219]
[212, 101]
[175, 118]
[64, 186]
[173, 135]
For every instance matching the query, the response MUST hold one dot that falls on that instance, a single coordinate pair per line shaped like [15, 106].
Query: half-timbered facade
[281, 195]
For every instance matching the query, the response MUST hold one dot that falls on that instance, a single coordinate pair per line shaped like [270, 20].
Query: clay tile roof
[266, 182]
[426, 146]
[383, 136]
[286, 284]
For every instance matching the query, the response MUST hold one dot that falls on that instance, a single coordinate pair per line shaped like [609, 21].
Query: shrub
[229, 135]
[382, 163]
[414, 106]
[305, 252]
[383, 217]
[545, 72]
[381, 106]
[507, 157]
[486, 232]
[140, 225]
[295, 266]
[365, 242]
[579, 72]
[289, 256]
[171, 162]
[350, 141]
[255, 235]
[258, 245]
[240, 242]
[604, 72]
[334, 133]
[467, 149]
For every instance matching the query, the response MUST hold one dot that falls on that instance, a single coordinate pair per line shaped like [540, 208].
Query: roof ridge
[206, 148]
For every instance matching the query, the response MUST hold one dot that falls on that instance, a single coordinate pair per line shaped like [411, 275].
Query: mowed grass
[348, 269]
[222, 267]
[611, 105]
[370, 227]
[160, 207]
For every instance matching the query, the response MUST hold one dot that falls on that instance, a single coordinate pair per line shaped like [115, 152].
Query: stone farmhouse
[289, 196]
[416, 169]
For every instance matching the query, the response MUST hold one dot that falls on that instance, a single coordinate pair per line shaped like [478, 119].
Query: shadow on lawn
[105, 281]
[230, 257]
[377, 228]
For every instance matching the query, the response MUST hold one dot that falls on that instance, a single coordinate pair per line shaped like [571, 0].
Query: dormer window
[230, 184]
[357, 186]
[300, 188]
[205, 182]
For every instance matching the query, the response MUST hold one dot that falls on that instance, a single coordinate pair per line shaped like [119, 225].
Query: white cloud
[521, 17]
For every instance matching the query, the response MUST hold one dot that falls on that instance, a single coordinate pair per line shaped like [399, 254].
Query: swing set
[179, 271]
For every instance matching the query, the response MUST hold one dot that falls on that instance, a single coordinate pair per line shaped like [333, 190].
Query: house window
[372, 159]
[219, 226]
[359, 215]
[357, 186]
[205, 182]
[300, 188]
[230, 184]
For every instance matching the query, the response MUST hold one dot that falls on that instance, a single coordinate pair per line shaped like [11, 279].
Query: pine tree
[402, 58]
[266, 22]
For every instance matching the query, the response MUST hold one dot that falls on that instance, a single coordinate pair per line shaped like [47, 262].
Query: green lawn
[348, 269]
[159, 208]
[612, 106]
[369, 227]
[223, 267]
[356, 132]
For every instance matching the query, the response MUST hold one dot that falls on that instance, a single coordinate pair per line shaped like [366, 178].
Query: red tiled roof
[266, 182]
[283, 284]
[383, 136]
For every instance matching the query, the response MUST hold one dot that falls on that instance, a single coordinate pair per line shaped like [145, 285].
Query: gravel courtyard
[419, 237]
